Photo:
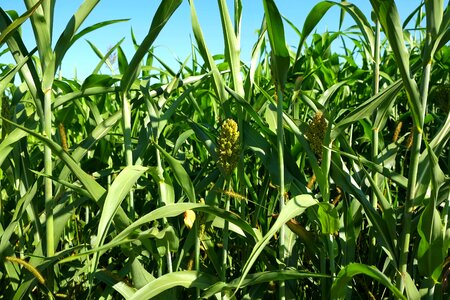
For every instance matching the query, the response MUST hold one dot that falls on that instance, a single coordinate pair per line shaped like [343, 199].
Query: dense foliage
[306, 173]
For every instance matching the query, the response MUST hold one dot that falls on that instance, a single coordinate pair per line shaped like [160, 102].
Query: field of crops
[304, 174]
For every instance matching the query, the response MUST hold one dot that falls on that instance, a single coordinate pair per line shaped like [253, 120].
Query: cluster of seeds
[228, 146]
[316, 133]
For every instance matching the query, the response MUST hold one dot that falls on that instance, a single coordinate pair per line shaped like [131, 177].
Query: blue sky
[175, 39]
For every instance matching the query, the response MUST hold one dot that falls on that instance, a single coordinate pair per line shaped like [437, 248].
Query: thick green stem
[280, 144]
[330, 241]
[226, 234]
[169, 258]
[126, 116]
[197, 252]
[376, 88]
[375, 129]
[412, 181]
[162, 202]
[48, 169]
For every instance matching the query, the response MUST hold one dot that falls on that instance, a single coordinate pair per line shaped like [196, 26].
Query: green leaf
[168, 211]
[166, 238]
[122, 60]
[97, 134]
[162, 15]
[315, 15]
[121, 287]
[261, 277]
[410, 287]
[293, 208]
[219, 85]
[389, 18]
[95, 190]
[93, 28]
[328, 217]
[9, 76]
[346, 274]
[342, 177]
[139, 274]
[19, 210]
[232, 48]
[8, 144]
[431, 251]
[6, 33]
[119, 189]
[67, 37]
[366, 109]
[319, 11]
[28, 71]
[98, 80]
[186, 279]
[280, 54]
[180, 173]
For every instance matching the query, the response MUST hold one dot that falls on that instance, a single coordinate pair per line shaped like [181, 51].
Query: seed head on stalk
[316, 133]
[228, 146]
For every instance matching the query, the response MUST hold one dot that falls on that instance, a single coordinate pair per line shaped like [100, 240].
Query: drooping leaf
[347, 273]
[186, 279]
[98, 80]
[261, 277]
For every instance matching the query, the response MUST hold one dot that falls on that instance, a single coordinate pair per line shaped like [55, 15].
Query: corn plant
[309, 172]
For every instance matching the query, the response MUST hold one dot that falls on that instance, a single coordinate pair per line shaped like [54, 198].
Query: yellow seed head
[228, 146]
[398, 128]
[28, 266]
[410, 139]
[62, 133]
[316, 133]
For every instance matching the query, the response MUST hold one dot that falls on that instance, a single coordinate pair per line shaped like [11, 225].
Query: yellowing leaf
[189, 218]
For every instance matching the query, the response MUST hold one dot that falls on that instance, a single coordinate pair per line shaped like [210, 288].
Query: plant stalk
[376, 88]
[375, 130]
[48, 170]
[126, 116]
[226, 234]
[412, 181]
[197, 252]
[280, 145]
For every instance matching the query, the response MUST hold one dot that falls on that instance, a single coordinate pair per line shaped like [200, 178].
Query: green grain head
[316, 133]
[228, 146]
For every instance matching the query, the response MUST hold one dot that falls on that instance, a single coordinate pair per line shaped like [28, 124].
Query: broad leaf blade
[280, 54]
[186, 279]
[347, 273]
